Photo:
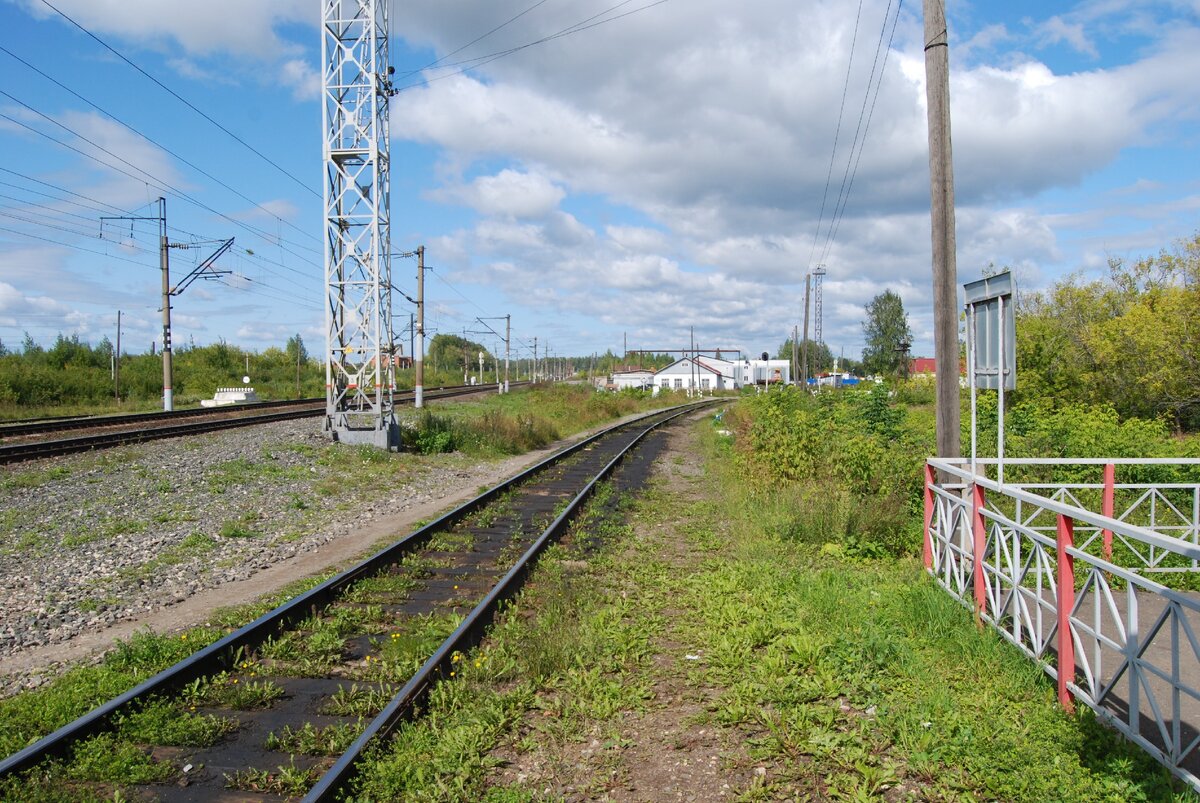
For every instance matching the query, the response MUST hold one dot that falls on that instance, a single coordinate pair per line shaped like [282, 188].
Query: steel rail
[469, 633]
[222, 654]
[33, 450]
[34, 426]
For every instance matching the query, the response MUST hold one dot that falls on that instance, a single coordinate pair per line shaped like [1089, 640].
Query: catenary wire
[836, 135]
[181, 99]
[157, 144]
[489, 58]
[864, 123]
[164, 186]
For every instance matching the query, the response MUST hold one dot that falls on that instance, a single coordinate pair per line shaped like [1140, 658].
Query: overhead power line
[474, 41]
[183, 100]
[154, 142]
[578, 27]
[874, 82]
[76, 247]
[867, 126]
[159, 183]
[837, 132]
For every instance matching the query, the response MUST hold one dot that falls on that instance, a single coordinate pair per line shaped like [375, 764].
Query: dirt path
[671, 750]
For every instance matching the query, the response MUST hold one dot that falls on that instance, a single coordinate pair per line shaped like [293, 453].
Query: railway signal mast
[356, 85]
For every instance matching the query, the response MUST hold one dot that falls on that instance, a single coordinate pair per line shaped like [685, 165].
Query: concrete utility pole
[535, 365]
[117, 362]
[941, 186]
[204, 270]
[419, 354]
[164, 262]
[507, 347]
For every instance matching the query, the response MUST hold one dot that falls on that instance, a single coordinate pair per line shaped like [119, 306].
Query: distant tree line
[74, 372]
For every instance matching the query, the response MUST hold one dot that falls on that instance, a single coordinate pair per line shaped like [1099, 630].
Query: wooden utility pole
[941, 187]
[419, 352]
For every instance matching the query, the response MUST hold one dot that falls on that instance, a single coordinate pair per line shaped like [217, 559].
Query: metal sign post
[991, 352]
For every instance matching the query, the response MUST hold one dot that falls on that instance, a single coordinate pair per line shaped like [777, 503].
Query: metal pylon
[818, 274]
[359, 369]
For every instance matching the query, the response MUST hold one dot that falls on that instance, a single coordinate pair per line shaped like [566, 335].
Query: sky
[639, 170]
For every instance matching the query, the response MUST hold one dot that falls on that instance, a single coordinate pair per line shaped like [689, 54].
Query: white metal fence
[1085, 593]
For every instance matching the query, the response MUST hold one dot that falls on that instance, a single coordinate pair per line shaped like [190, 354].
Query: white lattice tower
[359, 370]
[818, 274]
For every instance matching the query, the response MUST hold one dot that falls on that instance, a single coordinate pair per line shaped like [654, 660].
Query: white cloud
[302, 77]
[717, 127]
[241, 27]
[509, 193]
[1057, 30]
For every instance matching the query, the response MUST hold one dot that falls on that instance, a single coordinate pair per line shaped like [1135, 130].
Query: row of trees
[74, 372]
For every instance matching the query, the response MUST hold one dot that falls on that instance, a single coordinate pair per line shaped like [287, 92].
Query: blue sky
[661, 171]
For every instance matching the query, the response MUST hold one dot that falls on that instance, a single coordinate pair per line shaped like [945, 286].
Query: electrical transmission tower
[359, 365]
[818, 274]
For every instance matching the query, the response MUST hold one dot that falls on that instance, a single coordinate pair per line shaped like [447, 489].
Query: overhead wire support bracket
[205, 269]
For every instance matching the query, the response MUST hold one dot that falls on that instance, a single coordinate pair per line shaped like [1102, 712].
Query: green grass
[290, 781]
[33, 478]
[227, 690]
[332, 740]
[579, 659]
[359, 701]
[173, 724]
[237, 528]
[847, 678]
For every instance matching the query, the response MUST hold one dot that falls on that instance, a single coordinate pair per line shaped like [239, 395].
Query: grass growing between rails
[517, 422]
[26, 717]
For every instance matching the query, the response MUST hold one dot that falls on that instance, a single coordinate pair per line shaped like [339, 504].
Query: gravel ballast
[92, 540]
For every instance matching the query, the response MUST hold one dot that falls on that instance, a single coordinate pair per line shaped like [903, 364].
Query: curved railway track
[118, 430]
[374, 632]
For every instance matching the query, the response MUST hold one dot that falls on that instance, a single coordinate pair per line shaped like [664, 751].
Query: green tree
[449, 351]
[820, 358]
[295, 350]
[886, 325]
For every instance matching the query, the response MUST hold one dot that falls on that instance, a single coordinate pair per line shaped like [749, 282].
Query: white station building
[705, 374]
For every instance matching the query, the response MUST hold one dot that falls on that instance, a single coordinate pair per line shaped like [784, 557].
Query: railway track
[119, 430]
[372, 640]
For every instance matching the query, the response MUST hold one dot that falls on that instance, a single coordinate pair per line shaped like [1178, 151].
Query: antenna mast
[356, 83]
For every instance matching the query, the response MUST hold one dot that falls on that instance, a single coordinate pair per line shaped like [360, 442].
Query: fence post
[928, 549]
[979, 544]
[1107, 505]
[1066, 604]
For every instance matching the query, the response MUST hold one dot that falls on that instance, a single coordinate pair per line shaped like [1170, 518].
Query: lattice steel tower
[359, 369]
[818, 274]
